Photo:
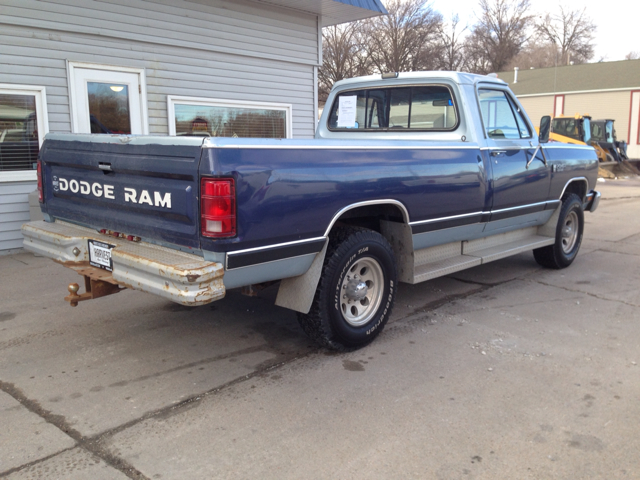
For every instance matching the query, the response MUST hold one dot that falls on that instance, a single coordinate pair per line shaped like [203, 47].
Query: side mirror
[545, 127]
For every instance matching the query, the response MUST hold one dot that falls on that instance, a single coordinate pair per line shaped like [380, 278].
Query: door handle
[498, 153]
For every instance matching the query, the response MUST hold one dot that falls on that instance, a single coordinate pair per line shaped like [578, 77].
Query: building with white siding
[162, 67]
[605, 90]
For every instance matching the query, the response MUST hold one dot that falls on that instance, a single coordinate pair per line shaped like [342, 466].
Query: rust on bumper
[181, 277]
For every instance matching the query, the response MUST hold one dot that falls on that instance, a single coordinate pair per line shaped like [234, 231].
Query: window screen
[401, 108]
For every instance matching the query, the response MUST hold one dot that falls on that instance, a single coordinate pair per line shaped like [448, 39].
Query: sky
[617, 21]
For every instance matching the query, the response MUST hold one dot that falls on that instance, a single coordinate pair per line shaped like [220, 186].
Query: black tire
[568, 236]
[356, 291]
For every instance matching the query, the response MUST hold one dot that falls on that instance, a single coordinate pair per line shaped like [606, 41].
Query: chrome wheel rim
[361, 291]
[569, 232]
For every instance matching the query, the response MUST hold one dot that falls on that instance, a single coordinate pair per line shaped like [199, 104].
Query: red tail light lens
[40, 192]
[218, 207]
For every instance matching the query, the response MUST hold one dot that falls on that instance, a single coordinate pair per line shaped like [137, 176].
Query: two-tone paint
[447, 186]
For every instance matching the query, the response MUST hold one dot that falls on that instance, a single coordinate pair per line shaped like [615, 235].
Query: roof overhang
[333, 12]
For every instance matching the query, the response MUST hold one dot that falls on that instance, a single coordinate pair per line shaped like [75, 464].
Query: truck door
[520, 182]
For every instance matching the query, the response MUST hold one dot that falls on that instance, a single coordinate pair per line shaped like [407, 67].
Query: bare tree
[451, 42]
[501, 32]
[632, 56]
[341, 56]
[539, 52]
[403, 40]
[572, 31]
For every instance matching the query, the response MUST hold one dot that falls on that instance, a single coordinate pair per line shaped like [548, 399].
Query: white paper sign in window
[347, 111]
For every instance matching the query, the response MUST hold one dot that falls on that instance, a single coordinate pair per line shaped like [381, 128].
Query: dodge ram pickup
[410, 177]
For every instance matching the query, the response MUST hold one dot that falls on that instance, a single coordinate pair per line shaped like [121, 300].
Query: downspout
[315, 75]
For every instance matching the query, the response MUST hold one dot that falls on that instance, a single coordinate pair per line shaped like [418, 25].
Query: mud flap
[297, 293]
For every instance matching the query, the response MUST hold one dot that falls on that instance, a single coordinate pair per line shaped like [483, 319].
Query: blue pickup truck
[411, 176]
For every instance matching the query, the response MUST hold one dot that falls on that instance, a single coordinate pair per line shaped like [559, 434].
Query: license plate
[100, 255]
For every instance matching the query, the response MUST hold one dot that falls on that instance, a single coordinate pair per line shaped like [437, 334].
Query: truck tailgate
[140, 186]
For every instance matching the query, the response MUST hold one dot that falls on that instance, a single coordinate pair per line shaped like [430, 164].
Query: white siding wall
[14, 211]
[221, 50]
[601, 105]
[206, 48]
[537, 107]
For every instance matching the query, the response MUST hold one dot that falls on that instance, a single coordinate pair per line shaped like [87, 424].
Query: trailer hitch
[94, 288]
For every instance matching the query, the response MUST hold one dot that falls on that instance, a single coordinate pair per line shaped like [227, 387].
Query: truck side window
[501, 116]
[398, 108]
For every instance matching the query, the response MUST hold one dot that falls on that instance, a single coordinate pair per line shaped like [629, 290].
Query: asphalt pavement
[504, 371]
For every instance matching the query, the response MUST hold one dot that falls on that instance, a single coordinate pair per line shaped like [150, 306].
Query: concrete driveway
[506, 371]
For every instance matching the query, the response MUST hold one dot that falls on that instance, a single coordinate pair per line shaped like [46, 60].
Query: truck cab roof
[403, 77]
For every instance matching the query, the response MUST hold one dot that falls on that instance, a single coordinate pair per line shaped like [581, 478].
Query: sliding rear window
[420, 108]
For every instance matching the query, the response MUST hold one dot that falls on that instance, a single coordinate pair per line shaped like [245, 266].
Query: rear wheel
[568, 236]
[356, 291]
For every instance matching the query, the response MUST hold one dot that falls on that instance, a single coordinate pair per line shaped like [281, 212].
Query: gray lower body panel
[266, 272]
[430, 255]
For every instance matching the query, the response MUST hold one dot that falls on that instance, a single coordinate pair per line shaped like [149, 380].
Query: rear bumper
[592, 201]
[177, 276]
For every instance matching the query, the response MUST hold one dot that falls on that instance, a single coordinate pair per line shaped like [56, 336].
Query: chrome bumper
[592, 201]
[177, 276]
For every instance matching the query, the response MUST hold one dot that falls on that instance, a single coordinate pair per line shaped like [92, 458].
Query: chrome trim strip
[575, 179]
[396, 203]
[422, 222]
[503, 147]
[567, 146]
[277, 245]
[546, 146]
[518, 207]
[441, 219]
[344, 147]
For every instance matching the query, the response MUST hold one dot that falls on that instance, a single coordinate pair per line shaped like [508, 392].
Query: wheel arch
[371, 209]
[578, 185]
[297, 293]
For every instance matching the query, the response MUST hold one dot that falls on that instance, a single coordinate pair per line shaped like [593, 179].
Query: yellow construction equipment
[576, 129]
[600, 134]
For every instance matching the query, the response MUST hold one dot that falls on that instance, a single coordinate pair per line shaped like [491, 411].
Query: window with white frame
[107, 99]
[192, 116]
[23, 125]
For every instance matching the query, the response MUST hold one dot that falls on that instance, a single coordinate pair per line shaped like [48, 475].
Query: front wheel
[568, 236]
[356, 291]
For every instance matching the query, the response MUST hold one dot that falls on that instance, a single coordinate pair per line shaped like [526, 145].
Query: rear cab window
[409, 108]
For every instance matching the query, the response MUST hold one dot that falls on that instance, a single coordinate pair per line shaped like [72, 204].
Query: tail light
[218, 207]
[40, 192]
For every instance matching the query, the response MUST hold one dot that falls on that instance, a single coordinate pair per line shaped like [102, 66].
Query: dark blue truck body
[424, 192]
[293, 193]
